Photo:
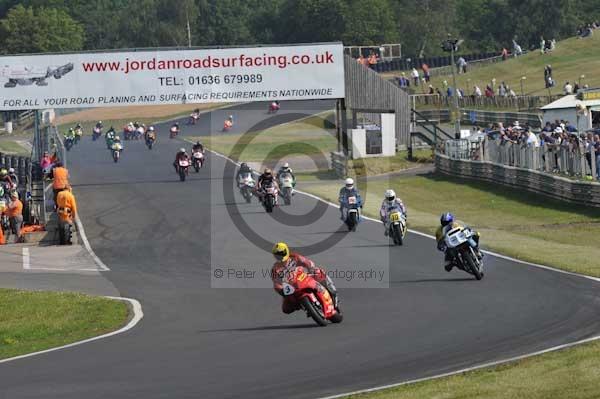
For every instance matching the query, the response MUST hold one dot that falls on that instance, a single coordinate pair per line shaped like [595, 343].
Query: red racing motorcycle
[311, 296]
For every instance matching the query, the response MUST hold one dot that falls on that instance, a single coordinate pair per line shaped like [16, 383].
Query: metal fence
[478, 117]
[339, 164]
[573, 160]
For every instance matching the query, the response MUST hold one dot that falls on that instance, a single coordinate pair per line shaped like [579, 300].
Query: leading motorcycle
[312, 297]
[116, 151]
[459, 241]
[150, 140]
[173, 132]
[352, 206]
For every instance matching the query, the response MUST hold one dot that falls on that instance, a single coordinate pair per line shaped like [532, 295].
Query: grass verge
[379, 165]
[306, 137]
[13, 148]
[571, 373]
[32, 321]
[571, 59]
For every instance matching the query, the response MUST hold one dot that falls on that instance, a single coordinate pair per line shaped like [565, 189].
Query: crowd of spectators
[587, 30]
[558, 137]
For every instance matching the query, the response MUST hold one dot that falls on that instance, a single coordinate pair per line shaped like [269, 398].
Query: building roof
[569, 102]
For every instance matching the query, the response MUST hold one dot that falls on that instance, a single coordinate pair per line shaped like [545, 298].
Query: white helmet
[349, 182]
[286, 165]
[11, 170]
[151, 128]
[182, 150]
[390, 195]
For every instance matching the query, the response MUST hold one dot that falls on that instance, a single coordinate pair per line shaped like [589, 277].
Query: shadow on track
[432, 280]
[263, 328]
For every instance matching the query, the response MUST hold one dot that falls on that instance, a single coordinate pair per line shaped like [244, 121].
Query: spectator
[542, 45]
[504, 54]
[576, 88]
[569, 127]
[415, 76]
[489, 92]
[361, 60]
[502, 90]
[476, 91]
[425, 69]
[2, 212]
[372, 60]
[67, 211]
[15, 215]
[517, 50]
[61, 178]
[403, 81]
[431, 91]
[449, 91]
[461, 65]
[568, 89]
[532, 139]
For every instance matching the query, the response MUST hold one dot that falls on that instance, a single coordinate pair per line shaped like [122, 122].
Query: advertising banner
[303, 72]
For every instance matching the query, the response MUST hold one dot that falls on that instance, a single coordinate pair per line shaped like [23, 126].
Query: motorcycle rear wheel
[312, 312]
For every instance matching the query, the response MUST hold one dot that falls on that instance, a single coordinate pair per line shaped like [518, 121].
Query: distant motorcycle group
[269, 187]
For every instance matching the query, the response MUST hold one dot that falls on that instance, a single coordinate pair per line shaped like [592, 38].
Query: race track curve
[159, 237]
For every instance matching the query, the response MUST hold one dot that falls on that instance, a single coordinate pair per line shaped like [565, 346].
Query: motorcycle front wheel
[311, 311]
[473, 266]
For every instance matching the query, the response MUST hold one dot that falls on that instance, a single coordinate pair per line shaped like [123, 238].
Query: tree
[39, 30]
[303, 21]
[369, 22]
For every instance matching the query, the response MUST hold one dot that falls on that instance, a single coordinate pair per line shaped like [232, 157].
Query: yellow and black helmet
[281, 251]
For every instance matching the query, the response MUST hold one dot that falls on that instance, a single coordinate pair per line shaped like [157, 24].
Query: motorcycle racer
[285, 168]
[181, 156]
[390, 203]
[244, 168]
[286, 261]
[349, 190]
[198, 147]
[448, 223]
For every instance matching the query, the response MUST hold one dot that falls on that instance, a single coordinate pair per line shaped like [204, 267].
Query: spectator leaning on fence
[568, 89]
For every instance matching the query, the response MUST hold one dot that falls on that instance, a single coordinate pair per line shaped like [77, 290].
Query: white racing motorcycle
[286, 185]
[396, 225]
[198, 160]
[459, 242]
[246, 184]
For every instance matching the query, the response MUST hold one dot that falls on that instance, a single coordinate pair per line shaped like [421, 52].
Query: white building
[566, 107]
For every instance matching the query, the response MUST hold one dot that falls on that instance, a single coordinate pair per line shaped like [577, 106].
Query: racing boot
[448, 263]
[328, 283]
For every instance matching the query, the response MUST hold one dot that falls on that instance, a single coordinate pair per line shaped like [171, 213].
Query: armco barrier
[560, 188]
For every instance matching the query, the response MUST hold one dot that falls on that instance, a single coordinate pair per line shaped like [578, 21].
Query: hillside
[571, 59]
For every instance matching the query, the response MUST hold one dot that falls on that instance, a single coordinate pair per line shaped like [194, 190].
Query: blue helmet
[446, 218]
